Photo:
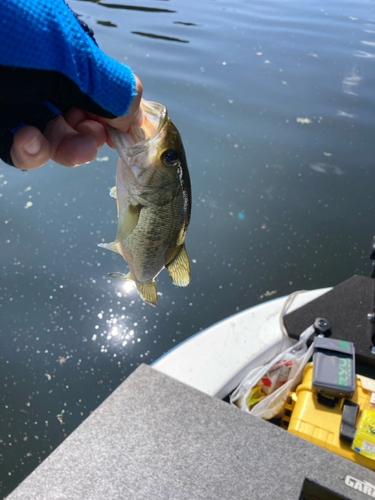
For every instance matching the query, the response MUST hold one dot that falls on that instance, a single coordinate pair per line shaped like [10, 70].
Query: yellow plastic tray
[321, 424]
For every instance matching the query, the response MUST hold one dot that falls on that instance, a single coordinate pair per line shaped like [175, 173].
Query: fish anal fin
[110, 246]
[148, 292]
[179, 267]
[127, 222]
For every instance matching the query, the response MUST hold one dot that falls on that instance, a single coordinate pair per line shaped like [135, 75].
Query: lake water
[275, 102]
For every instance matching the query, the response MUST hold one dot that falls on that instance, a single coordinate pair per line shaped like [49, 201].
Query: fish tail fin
[148, 291]
[179, 267]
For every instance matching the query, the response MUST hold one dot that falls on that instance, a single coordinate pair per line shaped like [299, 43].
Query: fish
[153, 193]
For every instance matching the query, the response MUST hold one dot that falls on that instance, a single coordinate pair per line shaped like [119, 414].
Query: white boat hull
[216, 359]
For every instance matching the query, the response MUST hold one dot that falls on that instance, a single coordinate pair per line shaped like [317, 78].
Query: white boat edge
[215, 360]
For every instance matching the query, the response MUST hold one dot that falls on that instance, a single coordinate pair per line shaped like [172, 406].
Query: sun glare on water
[129, 286]
[115, 331]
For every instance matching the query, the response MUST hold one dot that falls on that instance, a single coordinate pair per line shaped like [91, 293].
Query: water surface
[275, 103]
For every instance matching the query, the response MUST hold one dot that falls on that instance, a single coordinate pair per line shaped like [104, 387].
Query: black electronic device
[334, 367]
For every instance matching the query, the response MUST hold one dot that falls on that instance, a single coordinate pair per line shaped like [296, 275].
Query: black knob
[322, 326]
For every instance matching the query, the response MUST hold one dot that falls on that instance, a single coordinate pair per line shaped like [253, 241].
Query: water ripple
[131, 7]
[161, 37]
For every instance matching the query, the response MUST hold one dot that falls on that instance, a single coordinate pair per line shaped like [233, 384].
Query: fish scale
[150, 239]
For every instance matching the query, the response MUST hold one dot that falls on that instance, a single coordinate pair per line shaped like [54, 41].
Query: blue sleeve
[44, 34]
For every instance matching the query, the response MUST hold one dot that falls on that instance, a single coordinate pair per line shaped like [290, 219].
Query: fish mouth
[141, 138]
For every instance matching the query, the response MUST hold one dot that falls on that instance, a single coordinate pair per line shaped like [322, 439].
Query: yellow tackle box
[304, 416]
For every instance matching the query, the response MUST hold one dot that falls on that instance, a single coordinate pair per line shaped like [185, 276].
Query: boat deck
[156, 438]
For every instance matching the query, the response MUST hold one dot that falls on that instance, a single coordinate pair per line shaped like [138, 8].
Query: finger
[86, 123]
[68, 147]
[108, 138]
[76, 115]
[94, 130]
[30, 148]
[124, 122]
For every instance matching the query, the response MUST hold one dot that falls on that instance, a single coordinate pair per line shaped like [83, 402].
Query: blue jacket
[46, 35]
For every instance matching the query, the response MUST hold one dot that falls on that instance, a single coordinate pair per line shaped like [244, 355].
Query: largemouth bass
[153, 201]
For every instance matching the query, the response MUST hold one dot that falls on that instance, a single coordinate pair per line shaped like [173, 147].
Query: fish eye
[169, 157]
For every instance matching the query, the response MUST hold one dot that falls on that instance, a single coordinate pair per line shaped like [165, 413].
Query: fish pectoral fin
[128, 220]
[110, 246]
[148, 292]
[179, 267]
[121, 276]
[113, 194]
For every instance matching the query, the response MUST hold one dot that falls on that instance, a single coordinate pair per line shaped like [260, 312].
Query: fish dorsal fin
[148, 291]
[179, 267]
[127, 222]
[110, 246]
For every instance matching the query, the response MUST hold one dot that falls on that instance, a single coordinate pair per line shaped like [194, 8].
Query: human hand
[54, 103]
[70, 139]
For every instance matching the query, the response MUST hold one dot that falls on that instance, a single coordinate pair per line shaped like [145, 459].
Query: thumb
[30, 148]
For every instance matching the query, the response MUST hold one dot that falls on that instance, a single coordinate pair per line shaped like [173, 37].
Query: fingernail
[33, 147]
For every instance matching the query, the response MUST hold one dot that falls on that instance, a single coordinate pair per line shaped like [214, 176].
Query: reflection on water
[351, 81]
[161, 37]
[132, 7]
[106, 23]
[324, 168]
[275, 104]
[185, 24]
[343, 113]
